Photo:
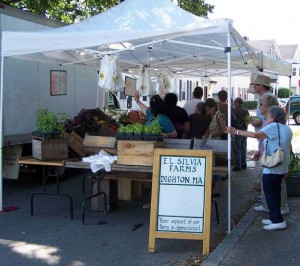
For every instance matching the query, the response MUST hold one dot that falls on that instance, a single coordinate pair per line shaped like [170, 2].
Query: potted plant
[49, 125]
[293, 180]
[47, 141]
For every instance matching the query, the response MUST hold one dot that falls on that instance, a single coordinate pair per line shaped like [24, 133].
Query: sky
[261, 19]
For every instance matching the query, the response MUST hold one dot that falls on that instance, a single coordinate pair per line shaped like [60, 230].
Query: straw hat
[262, 80]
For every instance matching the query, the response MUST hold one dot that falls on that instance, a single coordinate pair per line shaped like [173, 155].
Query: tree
[70, 11]
[196, 7]
[284, 92]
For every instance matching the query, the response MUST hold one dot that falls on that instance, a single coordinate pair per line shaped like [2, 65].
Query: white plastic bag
[110, 75]
[144, 83]
[100, 160]
[164, 84]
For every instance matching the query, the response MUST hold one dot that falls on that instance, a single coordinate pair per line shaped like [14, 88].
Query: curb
[219, 254]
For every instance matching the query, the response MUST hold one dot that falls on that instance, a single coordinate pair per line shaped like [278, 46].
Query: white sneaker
[266, 221]
[285, 212]
[278, 226]
[261, 209]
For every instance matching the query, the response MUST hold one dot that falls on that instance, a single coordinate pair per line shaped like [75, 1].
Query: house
[291, 54]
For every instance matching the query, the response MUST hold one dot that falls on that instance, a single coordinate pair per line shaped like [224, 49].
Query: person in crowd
[200, 121]
[190, 105]
[217, 126]
[267, 101]
[261, 86]
[272, 177]
[239, 142]
[216, 129]
[177, 115]
[157, 112]
[223, 107]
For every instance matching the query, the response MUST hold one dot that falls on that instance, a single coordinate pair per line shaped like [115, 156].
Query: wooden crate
[136, 152]
[93, 144]
[49, 149]
[75, 142]
[99, 141]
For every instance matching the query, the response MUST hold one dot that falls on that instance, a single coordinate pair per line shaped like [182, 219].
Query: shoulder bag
[276, 158]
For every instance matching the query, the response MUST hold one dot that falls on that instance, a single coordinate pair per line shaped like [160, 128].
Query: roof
[268, 47]
[288, 52]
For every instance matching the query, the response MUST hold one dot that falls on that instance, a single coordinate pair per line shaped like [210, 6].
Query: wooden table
[129, 177]
[54, 165]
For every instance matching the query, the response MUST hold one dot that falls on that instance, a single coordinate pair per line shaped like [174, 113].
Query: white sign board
[180, 180]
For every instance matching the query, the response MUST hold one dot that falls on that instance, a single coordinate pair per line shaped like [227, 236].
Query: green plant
[294, 166]
[48, 121]
[284, 92]
[250, 105]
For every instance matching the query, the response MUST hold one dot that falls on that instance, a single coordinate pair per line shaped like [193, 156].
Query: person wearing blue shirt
[156, 112]
[272, 177]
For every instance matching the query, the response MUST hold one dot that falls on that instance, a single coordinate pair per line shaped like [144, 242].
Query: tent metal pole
[1, 134]
[229, 135]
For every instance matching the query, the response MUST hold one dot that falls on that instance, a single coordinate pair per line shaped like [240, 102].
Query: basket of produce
[137, 131]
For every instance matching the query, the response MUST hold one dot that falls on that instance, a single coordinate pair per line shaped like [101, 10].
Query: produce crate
[129, 136]
[93, 144]
[75, 142]
[136, 152]
[50, 134]
[139, 136]
[152, 137]
[106, 131]
[49, 149]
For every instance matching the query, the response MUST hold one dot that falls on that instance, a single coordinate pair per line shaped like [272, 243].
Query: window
[294, 71]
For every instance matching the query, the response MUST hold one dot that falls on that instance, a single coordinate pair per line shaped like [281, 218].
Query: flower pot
[293, 185]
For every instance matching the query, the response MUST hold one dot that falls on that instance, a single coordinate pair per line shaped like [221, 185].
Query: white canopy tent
[155, 33]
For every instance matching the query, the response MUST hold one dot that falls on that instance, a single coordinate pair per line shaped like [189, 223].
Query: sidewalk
[249, 244]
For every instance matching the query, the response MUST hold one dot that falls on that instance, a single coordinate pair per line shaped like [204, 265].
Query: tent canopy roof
[155, 33]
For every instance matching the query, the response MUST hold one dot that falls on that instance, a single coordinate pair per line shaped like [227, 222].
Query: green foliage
[294, 166]
[48, 121]
[196, 7]
[284, 92]
[153, 128]
[250, 105]
[70, 11]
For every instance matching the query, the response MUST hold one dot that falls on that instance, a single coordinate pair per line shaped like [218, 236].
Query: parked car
[294, 104]
[282, 102]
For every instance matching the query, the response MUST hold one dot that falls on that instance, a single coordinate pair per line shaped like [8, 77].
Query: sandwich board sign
[181, 196]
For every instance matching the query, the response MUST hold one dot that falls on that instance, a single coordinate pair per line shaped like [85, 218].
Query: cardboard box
[49, 149]
[136, 152]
